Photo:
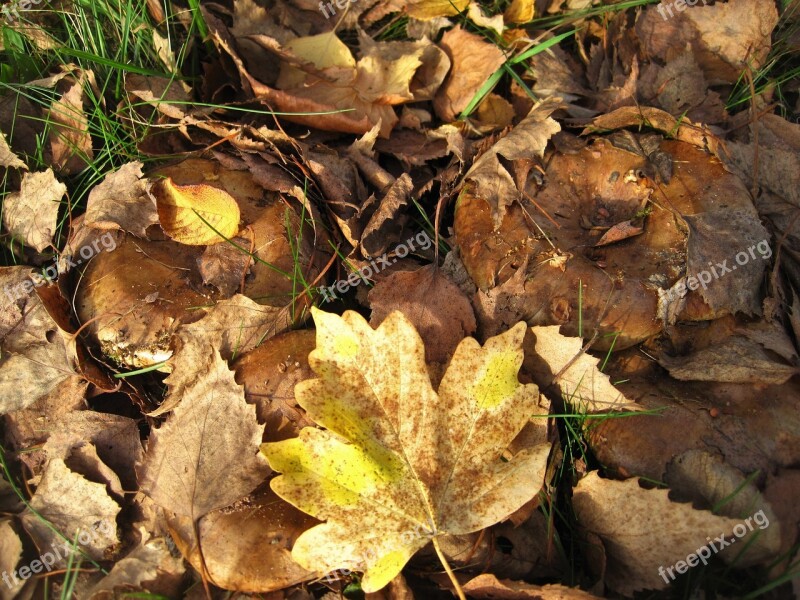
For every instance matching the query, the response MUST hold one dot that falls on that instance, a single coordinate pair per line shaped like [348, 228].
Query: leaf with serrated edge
[400, 463]
[204, 457]
[581, 381]
[196, 215]
[643, 530]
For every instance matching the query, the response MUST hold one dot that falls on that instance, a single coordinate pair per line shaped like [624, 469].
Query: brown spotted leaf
[399, 463]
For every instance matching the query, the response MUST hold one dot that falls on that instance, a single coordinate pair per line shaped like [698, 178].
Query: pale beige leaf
[150, 567]
[705, 478]
[35, 357]
[32, 213]
[10, 553]
[643, 530]
[121, 201]
[78, 508]
[581, 382]
[205, 456]
[7, 156]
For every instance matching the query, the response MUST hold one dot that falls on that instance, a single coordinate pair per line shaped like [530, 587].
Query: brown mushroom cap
[585, 193]
[134, 297]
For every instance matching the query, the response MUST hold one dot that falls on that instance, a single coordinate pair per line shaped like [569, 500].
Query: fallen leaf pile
[397, 299]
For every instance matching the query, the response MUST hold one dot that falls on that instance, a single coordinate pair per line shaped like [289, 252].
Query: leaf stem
[446, 565]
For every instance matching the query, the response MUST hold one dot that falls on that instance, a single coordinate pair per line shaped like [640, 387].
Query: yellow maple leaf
[196, 215]
[399, 463]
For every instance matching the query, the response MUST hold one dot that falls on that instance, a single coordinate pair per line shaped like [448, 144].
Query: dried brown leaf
[76, 508]
[473, 60]
[121, 201]
[32, 213]
[634, 559]
[205, 456]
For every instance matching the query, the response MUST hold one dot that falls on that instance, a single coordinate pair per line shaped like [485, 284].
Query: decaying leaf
[205, 455]
[489, 587]
[31, 214]
[269, 375]
[491, 179]
[473, 60]
[36, 355]
[70, 140]
[10, 553]
[705, 478]
[638, 559]
[76, 508]
[149, 568]
[246, 546]
[738, 359]
[400, 463]
[196, 214]
[232, 327]
[121, 201]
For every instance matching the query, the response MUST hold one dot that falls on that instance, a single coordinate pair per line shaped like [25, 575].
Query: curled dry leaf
[70, 140]
[196, 214]
[68, 504]
[416, 463]
[31, 213]
[205, 456]
[7, 157]
[635, 553]
[473, 60]
[149, 568]
[121, 201]
[489, 175]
